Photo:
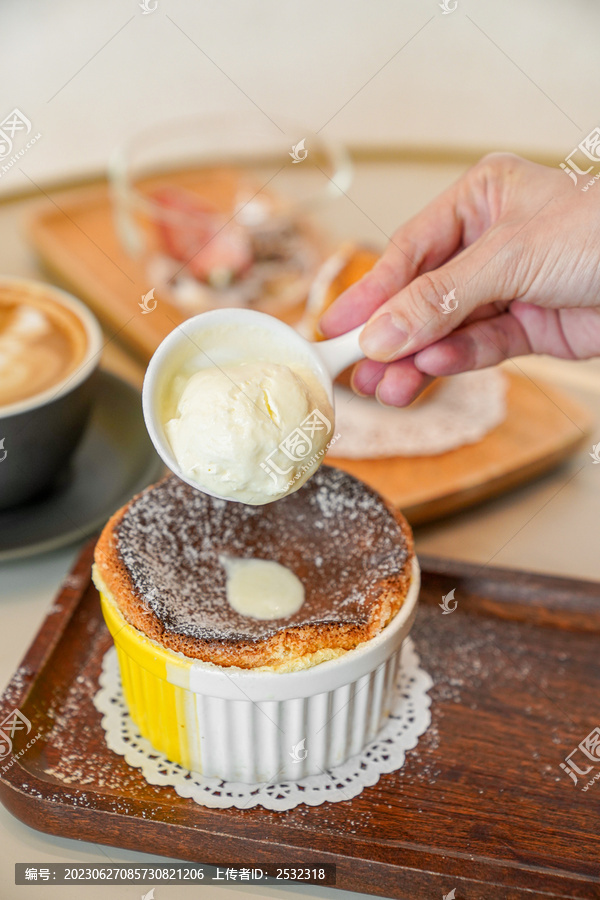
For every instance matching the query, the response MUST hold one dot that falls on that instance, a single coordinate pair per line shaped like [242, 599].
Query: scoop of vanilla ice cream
[251, 432]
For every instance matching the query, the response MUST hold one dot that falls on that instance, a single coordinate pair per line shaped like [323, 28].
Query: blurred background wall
[377, 74]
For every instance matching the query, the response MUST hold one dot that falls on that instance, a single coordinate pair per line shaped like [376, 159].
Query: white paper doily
[462, 410]
[409, 719]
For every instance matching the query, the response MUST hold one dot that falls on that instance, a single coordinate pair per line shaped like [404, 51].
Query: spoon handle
[340, 352]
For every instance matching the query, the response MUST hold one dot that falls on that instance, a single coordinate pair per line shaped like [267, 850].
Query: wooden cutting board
[75, 237]
[543, 427]
[74, 234]
[481, 806]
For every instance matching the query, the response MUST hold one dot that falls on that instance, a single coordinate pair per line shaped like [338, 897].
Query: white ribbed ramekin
[257, 726]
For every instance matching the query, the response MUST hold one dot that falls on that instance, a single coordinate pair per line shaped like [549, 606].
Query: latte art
[40, 343]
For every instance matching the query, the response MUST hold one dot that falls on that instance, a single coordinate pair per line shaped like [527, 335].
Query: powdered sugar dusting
[335, 534]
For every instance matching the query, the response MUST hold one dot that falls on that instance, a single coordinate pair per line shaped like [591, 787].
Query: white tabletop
[93, 74]
[550, 525]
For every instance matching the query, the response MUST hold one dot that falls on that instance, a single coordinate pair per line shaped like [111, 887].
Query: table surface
[548, 526]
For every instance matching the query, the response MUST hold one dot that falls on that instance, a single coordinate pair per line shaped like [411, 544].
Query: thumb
[437, 302]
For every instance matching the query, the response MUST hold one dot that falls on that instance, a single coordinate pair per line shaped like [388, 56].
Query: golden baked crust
[158, 557]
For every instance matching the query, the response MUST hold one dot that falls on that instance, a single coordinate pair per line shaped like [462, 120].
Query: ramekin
[259, 726]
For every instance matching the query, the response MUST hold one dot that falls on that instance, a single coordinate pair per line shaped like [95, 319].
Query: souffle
[164, 560]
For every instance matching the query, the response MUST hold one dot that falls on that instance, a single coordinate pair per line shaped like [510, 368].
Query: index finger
[421, 244]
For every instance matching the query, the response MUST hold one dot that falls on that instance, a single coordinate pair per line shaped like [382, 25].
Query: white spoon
[326, 358]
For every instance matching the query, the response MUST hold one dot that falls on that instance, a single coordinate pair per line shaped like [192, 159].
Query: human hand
[518, 244]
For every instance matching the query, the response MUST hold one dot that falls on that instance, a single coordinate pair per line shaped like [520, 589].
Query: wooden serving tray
[481, 805]
[543, 427]
[75, 237]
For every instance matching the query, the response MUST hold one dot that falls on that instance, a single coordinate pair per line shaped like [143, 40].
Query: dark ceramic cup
[39, 434]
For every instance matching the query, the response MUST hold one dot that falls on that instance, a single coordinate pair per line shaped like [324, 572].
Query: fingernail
[354, 387]
[358, 390]
[323, 322]
[379, 400]
[382, 402]
[383, 339]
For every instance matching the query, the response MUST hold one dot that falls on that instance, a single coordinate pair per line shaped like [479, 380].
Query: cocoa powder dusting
[335, 534]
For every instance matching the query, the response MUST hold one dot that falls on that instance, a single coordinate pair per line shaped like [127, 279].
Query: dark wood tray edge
[568, 603]
[23, 793]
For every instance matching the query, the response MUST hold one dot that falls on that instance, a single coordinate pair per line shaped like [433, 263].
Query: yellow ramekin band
[242, 725]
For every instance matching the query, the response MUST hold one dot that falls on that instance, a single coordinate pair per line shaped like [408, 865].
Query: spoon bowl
[230, 336]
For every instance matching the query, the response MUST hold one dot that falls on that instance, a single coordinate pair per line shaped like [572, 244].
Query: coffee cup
[50, 346]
